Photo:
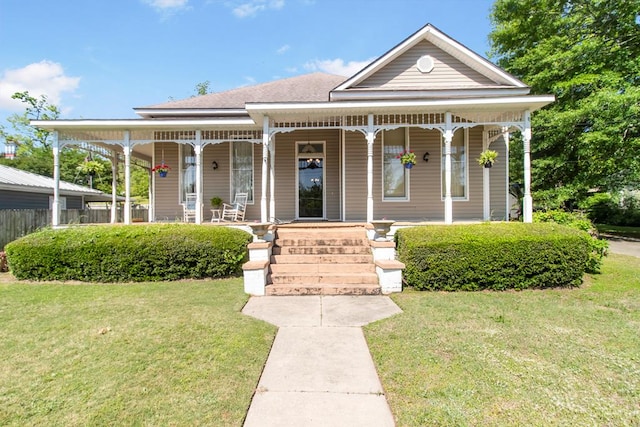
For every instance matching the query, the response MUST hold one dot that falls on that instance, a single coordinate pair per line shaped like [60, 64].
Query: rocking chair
[235, 211]
[189, 207]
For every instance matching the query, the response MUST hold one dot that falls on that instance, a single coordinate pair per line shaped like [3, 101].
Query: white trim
[310, 109]
[297, 158]
[364, 94]
[151, 124]
[407, 183]
[343, 180]
[189, 112]
[466, 155]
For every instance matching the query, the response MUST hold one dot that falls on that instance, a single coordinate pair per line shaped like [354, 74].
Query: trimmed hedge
[134, 253]
[494, 256]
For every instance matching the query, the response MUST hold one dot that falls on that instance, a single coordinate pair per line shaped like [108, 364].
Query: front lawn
[176, 353]
[535, 357]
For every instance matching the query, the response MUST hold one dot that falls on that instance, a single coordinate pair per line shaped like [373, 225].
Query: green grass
[619, 230]
[541, 357]
[138, 354]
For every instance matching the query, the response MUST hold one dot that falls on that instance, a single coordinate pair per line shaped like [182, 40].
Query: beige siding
[214, 182]
[166, 191]
[286, 170]
[472, 209]
[448, 72]
[355, 163]
[498, 181]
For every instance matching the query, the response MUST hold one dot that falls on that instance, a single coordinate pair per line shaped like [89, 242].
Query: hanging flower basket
[487, 158]
[91, 167]
[407, 158]
[162, 169]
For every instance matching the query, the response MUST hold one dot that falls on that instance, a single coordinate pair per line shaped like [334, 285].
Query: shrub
[604, 208]
[579, 221]
[153, 252]
[494, 256]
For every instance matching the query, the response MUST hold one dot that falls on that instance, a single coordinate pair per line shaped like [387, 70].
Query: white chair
[235, 211]
[189, 207]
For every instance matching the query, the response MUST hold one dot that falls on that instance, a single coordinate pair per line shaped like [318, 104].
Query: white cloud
[40, 78]
[252, 7]
[167, 4]
[337, 66]
[283, 49]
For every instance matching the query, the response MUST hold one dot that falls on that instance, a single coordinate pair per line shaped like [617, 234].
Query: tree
[585, 52]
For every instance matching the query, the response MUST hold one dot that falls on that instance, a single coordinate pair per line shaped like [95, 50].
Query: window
[394, 173]
[242, 168]
[188, 169]
[459, 164]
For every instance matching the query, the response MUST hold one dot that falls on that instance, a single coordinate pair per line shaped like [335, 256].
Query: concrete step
[321, 241]
[316, 268]
[325, 278]
[322, 259]
[322, 289]
[321, 250]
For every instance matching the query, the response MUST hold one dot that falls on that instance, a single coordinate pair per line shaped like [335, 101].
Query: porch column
[198, 152]
[371, 136]
[265, 169]
[448, 201]
[527, 210]
[152, 202]
[272, 179]
[127, 177]
[55, 208]
[486, 182]
[505, 133]
[114, 186]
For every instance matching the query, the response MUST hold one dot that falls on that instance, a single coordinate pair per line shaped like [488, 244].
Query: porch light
[214, 165]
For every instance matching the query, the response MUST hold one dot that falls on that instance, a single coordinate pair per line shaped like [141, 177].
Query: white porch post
[55, 208]
[527, 210]
[486, 182]
[265, 169]
[370, 140]
[272, 179]
[198, 152]
[505, 133]
[152, 200]
[114, 187]
[127, 177]
[448, 201]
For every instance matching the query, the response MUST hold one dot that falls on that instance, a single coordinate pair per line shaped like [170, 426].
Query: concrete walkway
[320, 371]
[624, 245]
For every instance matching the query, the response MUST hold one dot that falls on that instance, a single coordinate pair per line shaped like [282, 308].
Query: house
[326, 147]
[25, 190]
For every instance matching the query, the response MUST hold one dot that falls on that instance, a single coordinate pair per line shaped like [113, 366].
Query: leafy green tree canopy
[585, 52]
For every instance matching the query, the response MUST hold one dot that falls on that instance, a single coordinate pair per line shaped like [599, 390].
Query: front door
[310, 161]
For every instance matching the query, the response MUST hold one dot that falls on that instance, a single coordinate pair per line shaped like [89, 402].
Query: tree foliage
[585, 52]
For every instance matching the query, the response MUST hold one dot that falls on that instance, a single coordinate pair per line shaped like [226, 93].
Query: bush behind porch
[494, 256]
[154, 252]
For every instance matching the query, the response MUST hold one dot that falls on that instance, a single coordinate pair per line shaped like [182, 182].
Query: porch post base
[383, 250]
[260, 251]
[389, 275]
[255, 277]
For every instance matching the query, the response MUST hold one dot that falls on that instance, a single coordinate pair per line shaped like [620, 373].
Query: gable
[457, 72]
[448, 72]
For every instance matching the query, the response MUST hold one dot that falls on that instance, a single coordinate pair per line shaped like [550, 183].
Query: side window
[242, 168]
[394, 173]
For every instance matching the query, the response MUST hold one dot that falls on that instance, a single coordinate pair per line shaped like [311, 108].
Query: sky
[99, 59]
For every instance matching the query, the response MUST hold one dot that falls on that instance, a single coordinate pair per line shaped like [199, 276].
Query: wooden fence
[15, 223]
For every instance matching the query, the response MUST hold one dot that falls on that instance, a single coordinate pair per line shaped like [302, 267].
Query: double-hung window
[395, 176]
[459, 166]
[242, 168]
[188, 169]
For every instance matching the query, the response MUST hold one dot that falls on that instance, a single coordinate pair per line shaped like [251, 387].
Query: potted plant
[216, 202]
[487, 158]
[162, 169]
[91, 167]
[407, 158]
